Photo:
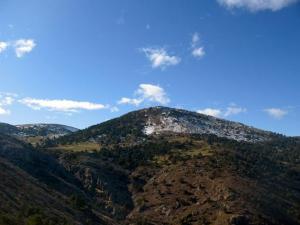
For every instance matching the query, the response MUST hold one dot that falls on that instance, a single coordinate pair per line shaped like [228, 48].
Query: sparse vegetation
[115, 174]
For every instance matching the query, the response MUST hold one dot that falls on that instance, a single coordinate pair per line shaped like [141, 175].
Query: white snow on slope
[193, 123]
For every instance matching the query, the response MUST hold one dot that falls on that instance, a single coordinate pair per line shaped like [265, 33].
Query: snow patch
[191, 123]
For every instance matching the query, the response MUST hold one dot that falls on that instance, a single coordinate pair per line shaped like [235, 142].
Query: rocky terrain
[153, 166]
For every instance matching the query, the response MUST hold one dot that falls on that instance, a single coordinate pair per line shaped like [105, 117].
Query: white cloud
[6, 99]
[114, 109]
[3, 46]
[147, 92]
[210, 112]
[4, 111]
[276, 113]
[24, 46]
[234, 110]
[60, 105]
[198, 52]
[153, 93]
[257, 5]
[130, 101]
[159, 57]
[195, 39]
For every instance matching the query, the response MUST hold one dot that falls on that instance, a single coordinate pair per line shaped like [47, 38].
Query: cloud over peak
[276, 113]
[130, 101]
[257, 5]
[234, 110]
[147, 92]
[210, 112]
[231, 110]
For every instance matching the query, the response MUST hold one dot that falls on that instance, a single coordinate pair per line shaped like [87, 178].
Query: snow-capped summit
[163, 119]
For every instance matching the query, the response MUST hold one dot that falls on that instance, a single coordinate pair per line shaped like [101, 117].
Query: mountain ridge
[155, 120]
[39, 129]
[117, 173]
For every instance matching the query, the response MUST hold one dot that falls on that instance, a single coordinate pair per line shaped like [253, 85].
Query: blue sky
[82, 62]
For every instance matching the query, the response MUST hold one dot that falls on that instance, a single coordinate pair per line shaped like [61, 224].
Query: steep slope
[35, 189]
[6, 128]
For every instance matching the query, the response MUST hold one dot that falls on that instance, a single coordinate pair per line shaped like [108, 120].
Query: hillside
[181, 173]
[140, 124]
[35, 189]
[35, 133]
[193, 170]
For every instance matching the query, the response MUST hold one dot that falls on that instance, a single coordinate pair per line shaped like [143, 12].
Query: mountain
[45, 130]
[154, 166]
[159, 120]
[34, 133]
[49, 130]
[8, 129]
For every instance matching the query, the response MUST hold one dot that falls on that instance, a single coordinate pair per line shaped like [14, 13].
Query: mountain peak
[137, 125]
[163, 119]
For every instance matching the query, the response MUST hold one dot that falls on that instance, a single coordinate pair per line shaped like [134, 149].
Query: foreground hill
[36, 189]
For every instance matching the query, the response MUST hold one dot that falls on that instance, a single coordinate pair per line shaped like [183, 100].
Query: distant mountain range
[36, 130]
[149, 167]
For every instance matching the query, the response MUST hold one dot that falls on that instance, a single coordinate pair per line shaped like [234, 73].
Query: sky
[82, 62]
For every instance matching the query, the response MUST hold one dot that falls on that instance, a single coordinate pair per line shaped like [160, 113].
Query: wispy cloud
[276, 112]
[4, 111]
[114, 109]
[198, 51]
[130, 101]
[24, 46]
[195, 39]
[6, 99]
[20, 46]
[61, 105]
[234, 110]
[211, 112]
[3, 46]
[160, 58]
[257, 5]
[147, 92]
[231, 110]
